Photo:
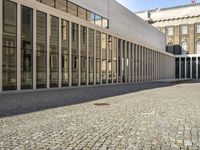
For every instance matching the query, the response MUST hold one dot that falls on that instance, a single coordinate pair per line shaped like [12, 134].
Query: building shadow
[27, 102]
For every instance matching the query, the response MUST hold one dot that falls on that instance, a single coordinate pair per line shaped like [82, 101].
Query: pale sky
[139, 5]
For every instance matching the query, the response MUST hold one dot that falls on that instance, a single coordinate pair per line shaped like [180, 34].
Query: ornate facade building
[181, 26]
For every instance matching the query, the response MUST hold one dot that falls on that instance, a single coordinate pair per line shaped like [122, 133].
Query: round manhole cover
[101, 104]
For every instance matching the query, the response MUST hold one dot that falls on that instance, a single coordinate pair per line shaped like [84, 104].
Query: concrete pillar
[34, 49]
[136, 63]
[139, 64]
[60, 55]
[121, 51]
[107, 58]
[191, 67]
[87, 61]
[133, 63]
[125, 62]
[1, 45]
[18, 47]
[142, 67]
[95, 47]
[129, 62]
[197, 69]
[79, 55]
[70, 54]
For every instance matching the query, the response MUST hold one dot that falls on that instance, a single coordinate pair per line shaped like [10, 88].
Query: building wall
[131, 61]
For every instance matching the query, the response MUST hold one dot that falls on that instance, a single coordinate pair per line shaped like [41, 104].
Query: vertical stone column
[121, 51]
[18, 46]
[197, 69]
[129, 62]
[139, 64]
[125, 61]
[60, 54]
[1, 45]
[95, 47]
[142, 67]
[34, 49]
[70, 54]
[107, 58]
[133, 64]
[79, 55]
[87, 61]
[136, 63]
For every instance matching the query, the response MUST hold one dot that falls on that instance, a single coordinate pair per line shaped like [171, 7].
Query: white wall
[126, 24]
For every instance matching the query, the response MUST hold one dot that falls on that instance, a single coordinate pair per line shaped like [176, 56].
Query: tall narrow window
[54, 54]
[114, 59]
[65, 52]
[119, 60]
[104, 55]
[170, 31]
[75, 45]
[91, 56]
[198, 28]
[83, 43]
[41, 49]
[98, 57]
[98, 20]
[90, 17]
[109, 59]
[194, 67]
[198, 47]
[184, 47]
[9, 45]
[177, 67]
[184, 30]
[26, 47]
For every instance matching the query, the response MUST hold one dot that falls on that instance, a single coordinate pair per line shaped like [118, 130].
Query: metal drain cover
[101, 104]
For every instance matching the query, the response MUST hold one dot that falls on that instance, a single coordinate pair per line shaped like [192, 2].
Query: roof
[183, 11]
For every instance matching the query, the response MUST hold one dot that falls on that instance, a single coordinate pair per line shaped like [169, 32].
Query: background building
[61, 43]
[181, 25]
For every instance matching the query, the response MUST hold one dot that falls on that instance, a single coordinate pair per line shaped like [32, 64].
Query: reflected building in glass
[65, 43]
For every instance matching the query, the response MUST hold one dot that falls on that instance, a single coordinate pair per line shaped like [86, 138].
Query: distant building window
[184, 47]
[170, 31]
[170, 48]
[198, 47]
[184, 30]
[198, 28]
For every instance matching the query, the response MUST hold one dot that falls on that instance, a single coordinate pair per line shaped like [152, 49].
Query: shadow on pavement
[21, 103]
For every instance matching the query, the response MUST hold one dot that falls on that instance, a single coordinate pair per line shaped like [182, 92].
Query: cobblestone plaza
[155, 116]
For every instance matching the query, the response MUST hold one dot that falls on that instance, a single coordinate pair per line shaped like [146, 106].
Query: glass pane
[182, 67]
[104, 23]
[119, 60]
[109, 59]
[83, 55]
[194, 68]
[26, 47]
[188, 67]
[9, 45]
[54, 54]
[91, 56]
[61, 5]
[41, 49]
[98, 20]
[98, 57]
[75, 45]
[65, 53]
[82, 13]
[104, 55]
[90, 17]
[199, 67]
[72, 9]
[177, 67]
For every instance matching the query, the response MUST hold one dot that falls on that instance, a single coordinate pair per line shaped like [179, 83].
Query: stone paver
[165, 118]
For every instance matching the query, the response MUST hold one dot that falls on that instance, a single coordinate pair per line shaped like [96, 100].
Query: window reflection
[91, 56]
[104, 55]
[54, 35]
[72, 9]
[109, 59]
[41, 49]
[26, 47]
[9, 45]
[114, 59]
[98, 57]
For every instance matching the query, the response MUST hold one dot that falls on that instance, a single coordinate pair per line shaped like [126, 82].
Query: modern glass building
[62, 43]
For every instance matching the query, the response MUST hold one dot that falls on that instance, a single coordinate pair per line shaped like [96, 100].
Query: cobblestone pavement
[166, 118]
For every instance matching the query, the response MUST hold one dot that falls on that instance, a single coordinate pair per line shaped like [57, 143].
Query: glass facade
[41, 53]
[65, 52]
[9, 68]
[177, 68]
[26, 48]
[54, 51]
[83, 45]
[91, 56]
[75, 46]
[194, 68]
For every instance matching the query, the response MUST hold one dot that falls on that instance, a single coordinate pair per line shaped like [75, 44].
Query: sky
[140, 5]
